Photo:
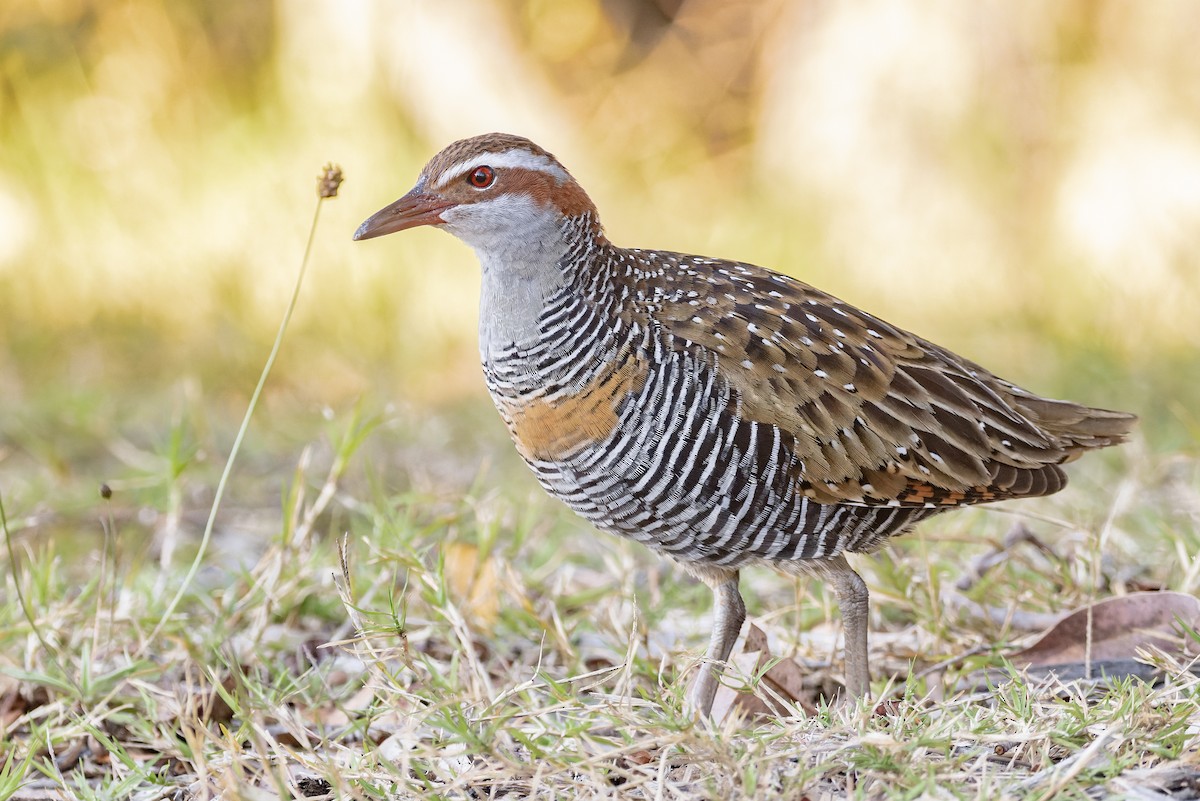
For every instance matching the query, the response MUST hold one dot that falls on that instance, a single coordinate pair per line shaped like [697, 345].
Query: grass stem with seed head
[327, 186]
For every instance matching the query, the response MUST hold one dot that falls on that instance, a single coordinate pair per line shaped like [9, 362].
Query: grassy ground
[479, 642]
[388, 607]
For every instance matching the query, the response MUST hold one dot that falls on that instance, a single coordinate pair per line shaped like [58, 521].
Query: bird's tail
[1079, 428]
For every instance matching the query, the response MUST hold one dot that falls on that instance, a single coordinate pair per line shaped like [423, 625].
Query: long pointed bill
[415, 208]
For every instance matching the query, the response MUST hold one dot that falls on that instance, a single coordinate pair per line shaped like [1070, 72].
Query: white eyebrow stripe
[509, 158]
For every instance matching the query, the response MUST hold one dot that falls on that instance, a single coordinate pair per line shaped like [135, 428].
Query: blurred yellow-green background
[1017, 180]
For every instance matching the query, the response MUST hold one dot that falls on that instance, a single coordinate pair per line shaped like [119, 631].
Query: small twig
[1005, 617]
[1019, 533]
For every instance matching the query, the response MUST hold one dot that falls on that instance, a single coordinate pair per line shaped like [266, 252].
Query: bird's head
[493, 191]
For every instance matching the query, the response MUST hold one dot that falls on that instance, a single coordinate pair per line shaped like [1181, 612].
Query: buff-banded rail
[723, 414]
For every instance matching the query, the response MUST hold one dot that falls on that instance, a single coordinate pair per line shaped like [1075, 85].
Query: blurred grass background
[1017, 180]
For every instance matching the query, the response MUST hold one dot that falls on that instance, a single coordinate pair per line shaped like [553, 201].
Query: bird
[724, 414]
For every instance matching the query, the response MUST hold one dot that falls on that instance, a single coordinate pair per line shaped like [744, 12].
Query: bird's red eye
[481, 177]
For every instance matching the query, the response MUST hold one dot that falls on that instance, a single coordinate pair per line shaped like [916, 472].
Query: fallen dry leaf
[784, 679]
[1119, 626]
[474, 582]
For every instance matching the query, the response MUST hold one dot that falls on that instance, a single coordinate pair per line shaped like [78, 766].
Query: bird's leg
[853, 602]
[728, 615]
